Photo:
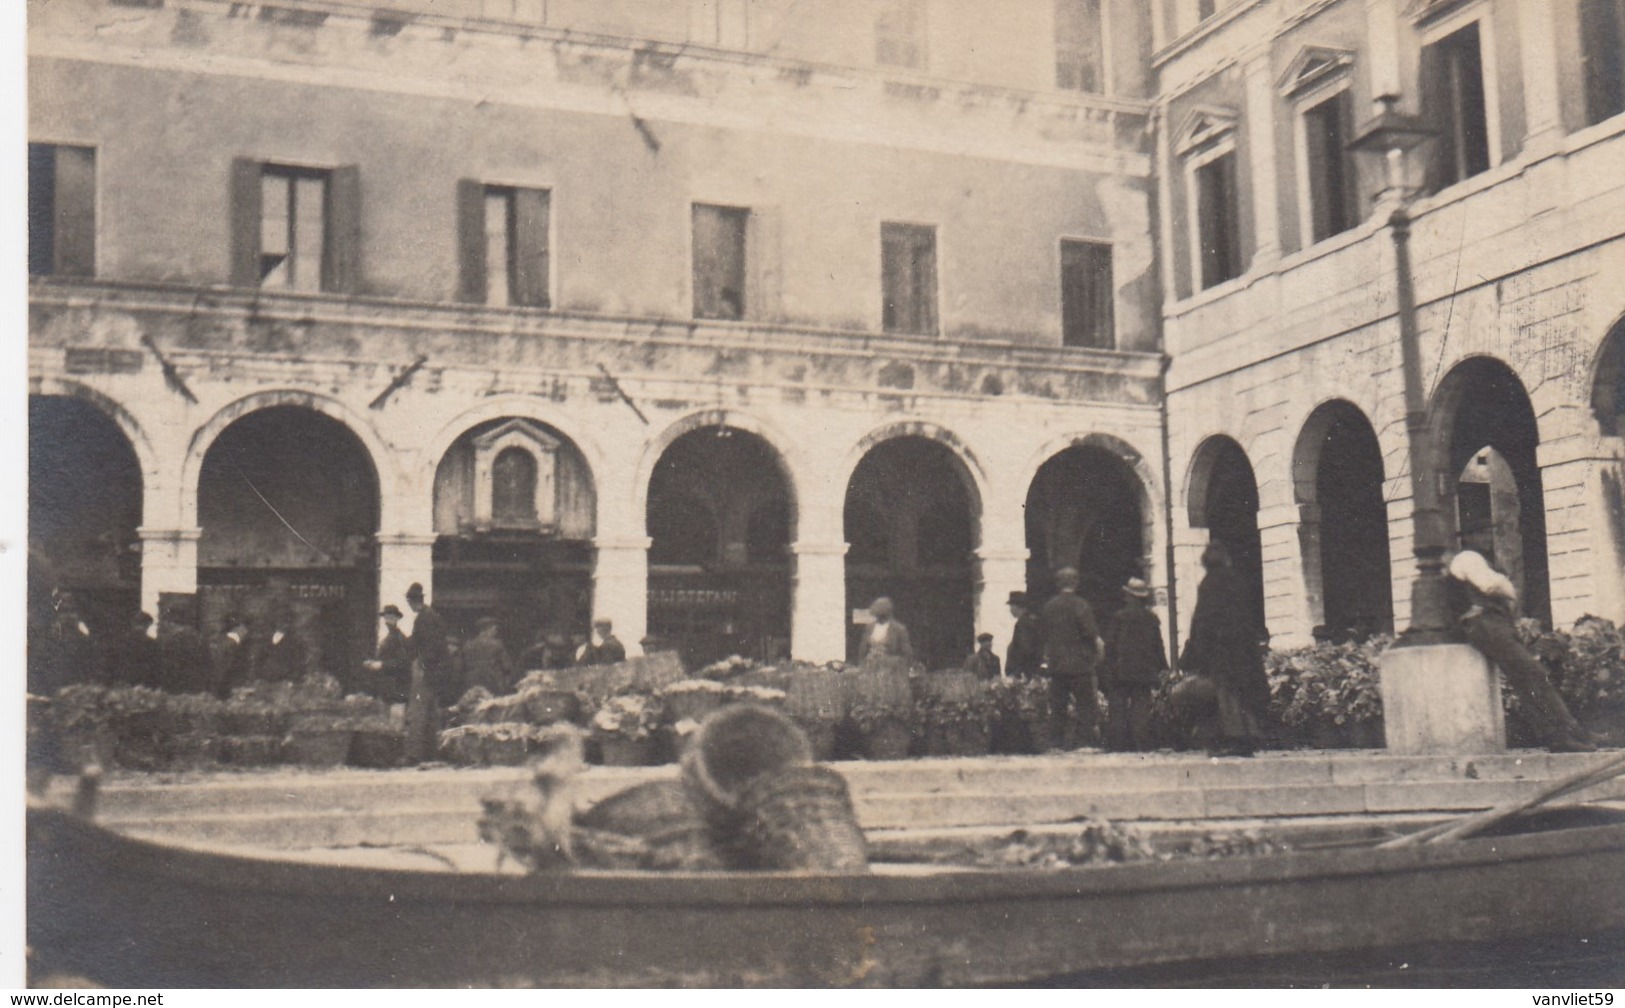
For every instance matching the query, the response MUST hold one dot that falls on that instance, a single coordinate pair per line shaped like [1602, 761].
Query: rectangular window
[1333, 196]
[295, 228]
[1079, 49]
[61, 210]
[1454, 103]
[900, 34]
[1086, 295]
[1217, 220]
[503, 244]
[908, 278]
[719, 261]
[1602, 56]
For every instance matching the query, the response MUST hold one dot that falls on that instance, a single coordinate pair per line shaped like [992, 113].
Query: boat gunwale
[242, 872]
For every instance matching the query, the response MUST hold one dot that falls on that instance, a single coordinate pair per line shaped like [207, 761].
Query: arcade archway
[288, 503]
[1224, 500]
[1086, 509]
[1343, 522]
[1485, 434]
[910, 519]
[514, 516]
[720, 517]
[84, 506]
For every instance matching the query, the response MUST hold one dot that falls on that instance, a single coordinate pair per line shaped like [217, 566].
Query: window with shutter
[719, 261]
[1086, 295]
[61, 210]
[908, 265]
[1602, 57]
[503, 245]
[292, 228]
[1079, 46]
[1453, 100]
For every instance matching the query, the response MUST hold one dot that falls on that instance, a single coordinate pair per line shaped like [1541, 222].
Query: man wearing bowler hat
[391, 664]
[1026, 651]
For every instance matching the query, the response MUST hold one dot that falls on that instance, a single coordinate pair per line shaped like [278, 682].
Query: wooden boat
[133, 913]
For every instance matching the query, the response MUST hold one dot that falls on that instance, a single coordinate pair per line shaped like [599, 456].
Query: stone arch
[1150, 485]
[1337, 481]
[1608, 382]
[145, 454]
[385, 465]
[1221, 492]
[1482, 403]
[784, 449]
[974, 474]
[524, 407]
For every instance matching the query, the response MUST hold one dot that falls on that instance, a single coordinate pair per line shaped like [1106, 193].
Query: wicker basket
[317, 747]
[618, 750]
[377, 749]
[815, 696]
[250, 750]
[736, 745]
[671, 831]
[801, 819]
[887, 739]
[692, 705]
[548, 706]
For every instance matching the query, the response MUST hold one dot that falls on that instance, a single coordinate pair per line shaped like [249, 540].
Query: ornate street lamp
[1401, 146]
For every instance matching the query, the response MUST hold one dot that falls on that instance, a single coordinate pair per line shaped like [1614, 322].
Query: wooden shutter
[894, 273]
[1602, 43]
[530, 217]
[245, 222]
[75, 216]
[471, 241]
[925, 280]
[341, 259]
[1086, 295]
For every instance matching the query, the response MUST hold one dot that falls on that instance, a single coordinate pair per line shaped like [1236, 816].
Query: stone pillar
[168, 563]
[1441, 700]
[620, 588]
[1000, 572]
[1542, 98]
[1261, 153]
[404, 558]
[818, 614]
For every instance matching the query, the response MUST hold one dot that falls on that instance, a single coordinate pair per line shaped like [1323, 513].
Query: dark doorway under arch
[1224, 500]
[910, 520]
[1343, 521]
[288, 503]
[84, 506]
[1484, 424]
[720, 517]
[1085, 510]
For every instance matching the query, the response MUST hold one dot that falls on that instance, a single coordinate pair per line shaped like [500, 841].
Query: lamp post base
[1441, 700]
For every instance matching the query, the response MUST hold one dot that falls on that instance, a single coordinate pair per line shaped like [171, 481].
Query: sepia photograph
[822, 494]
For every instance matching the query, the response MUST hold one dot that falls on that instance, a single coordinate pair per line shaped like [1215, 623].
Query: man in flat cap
[983, 661]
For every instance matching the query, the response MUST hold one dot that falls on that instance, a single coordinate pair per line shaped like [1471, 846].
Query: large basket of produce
[800, 818]
[735, 746]
[317, 742]
[667, 830]
[377, 746]
[693, 699]
[250, 750]
[545, 705]
[886, 738]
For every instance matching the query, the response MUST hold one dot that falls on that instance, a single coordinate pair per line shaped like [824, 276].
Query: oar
[1458, 829]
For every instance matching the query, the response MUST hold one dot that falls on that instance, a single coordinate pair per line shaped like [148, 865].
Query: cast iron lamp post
[1401, 145]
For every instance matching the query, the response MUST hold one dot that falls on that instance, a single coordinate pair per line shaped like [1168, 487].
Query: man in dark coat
[983, 661]
[1026, 651]
[183, 656]
[603, 648]
[431, 669]
[228, 656]
[390, 668]
[1072, 649]
[1228, 694]
[1135, 659]
[485, 660]
[134, 659]
[284, 654]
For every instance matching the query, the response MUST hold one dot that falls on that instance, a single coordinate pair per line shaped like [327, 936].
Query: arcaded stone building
[1286, 419]
[716, 318]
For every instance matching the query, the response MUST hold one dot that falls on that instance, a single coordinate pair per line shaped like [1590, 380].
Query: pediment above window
[1420, 11]
[515, 478]
[1313, 66]
[1203, 127]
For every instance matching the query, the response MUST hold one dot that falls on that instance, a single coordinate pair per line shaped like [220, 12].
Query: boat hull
[130, 913]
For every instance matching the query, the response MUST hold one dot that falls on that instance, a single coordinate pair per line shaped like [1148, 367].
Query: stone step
[383, 816]
[292, 791]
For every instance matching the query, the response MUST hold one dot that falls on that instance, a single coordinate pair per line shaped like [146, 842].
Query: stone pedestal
[818, 617]
[1442, 700]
